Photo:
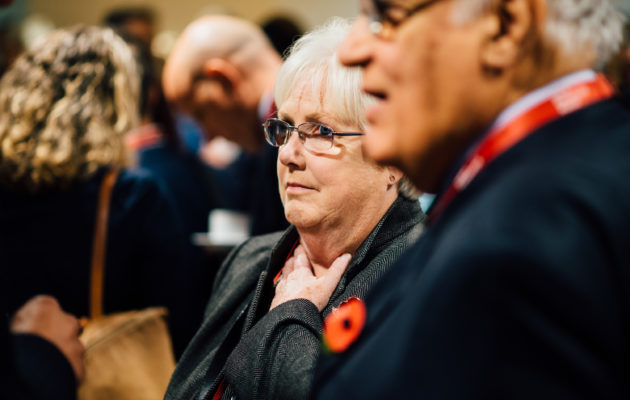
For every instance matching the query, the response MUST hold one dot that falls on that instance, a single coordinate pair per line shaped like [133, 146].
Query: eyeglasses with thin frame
[385, 15]
[315, 136]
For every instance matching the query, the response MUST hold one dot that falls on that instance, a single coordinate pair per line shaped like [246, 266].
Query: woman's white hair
[573, 25]
[314, 56]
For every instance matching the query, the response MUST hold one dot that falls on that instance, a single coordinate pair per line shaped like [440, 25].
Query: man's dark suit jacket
[520, 290]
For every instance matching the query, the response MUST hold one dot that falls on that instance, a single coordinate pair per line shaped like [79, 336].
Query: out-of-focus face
[141, 29]
[325, 190]
[424, 78]
[219, 113]
[212, 103]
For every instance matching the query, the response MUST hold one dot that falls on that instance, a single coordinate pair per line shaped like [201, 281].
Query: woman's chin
[300, 218]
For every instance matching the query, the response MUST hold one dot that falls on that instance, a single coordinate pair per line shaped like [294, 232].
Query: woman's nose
[356, 48]
[291, 151]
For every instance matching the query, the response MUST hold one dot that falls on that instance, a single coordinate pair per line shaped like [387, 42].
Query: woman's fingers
[299, 250]
[303, 263]
[289, 266]
[331, 279]
[299, 282]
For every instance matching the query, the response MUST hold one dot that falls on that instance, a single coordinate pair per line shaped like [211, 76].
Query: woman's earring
[392, 178]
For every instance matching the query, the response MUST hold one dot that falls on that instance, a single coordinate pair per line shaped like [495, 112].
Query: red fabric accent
[143, 138]
[220, 390]
[275, 279]
[498, 142]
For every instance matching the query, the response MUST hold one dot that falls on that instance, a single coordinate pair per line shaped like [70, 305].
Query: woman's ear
[394, 175]
[512, 23]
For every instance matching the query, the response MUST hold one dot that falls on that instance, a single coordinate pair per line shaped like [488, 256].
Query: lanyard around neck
[500, 140]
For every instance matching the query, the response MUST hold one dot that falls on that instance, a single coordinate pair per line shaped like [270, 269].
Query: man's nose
[356, 49]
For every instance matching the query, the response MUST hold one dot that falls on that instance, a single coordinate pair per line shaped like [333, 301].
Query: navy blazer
[520, 290]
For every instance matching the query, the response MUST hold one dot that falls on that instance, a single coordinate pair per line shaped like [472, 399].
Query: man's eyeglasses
[385, 15]
[315, 136]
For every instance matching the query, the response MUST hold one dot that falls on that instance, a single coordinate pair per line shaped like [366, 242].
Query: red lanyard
[499, 141]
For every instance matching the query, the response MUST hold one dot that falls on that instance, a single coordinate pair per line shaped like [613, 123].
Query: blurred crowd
[435, 197]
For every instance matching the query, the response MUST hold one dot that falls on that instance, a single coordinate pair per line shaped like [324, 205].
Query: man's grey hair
[573, 25]
[314, 55]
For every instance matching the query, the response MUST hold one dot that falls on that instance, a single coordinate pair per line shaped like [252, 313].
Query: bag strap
[97, 276]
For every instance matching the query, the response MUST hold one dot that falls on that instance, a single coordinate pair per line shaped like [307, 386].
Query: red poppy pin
[344, 325]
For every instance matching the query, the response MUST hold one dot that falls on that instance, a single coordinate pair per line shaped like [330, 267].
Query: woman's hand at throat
[298, 280]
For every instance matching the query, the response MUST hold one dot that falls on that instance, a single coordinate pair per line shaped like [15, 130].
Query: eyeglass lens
[315, 136]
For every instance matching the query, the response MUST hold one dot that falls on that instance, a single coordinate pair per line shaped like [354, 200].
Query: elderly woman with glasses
[350, 220]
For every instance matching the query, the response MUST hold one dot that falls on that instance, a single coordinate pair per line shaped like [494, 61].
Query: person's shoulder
[138, 192]
[554, 202]
[246, 261]
[136, 184]
[136, 178]
[582, 156]
[594, 130]
[258, 247]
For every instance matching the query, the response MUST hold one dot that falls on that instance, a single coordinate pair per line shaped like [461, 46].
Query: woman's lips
[296, 188]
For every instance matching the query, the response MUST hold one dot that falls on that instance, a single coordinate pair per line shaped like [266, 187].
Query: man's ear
[512, 24]
[224, 72]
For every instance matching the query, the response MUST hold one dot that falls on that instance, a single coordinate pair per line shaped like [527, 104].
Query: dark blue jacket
[189, 181]
[191, 184]
[46, 248]
[520, 290]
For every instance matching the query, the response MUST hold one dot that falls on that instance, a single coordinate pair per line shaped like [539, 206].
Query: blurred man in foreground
[519, 287]
[221, 72]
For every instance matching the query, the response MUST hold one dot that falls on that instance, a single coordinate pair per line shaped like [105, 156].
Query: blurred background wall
[175, 14]
[26, 20]
[30, 19]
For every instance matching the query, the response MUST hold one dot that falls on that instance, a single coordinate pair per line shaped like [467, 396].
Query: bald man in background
[221, 72]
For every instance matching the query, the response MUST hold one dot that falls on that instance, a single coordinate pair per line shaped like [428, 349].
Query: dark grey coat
[265, 354]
